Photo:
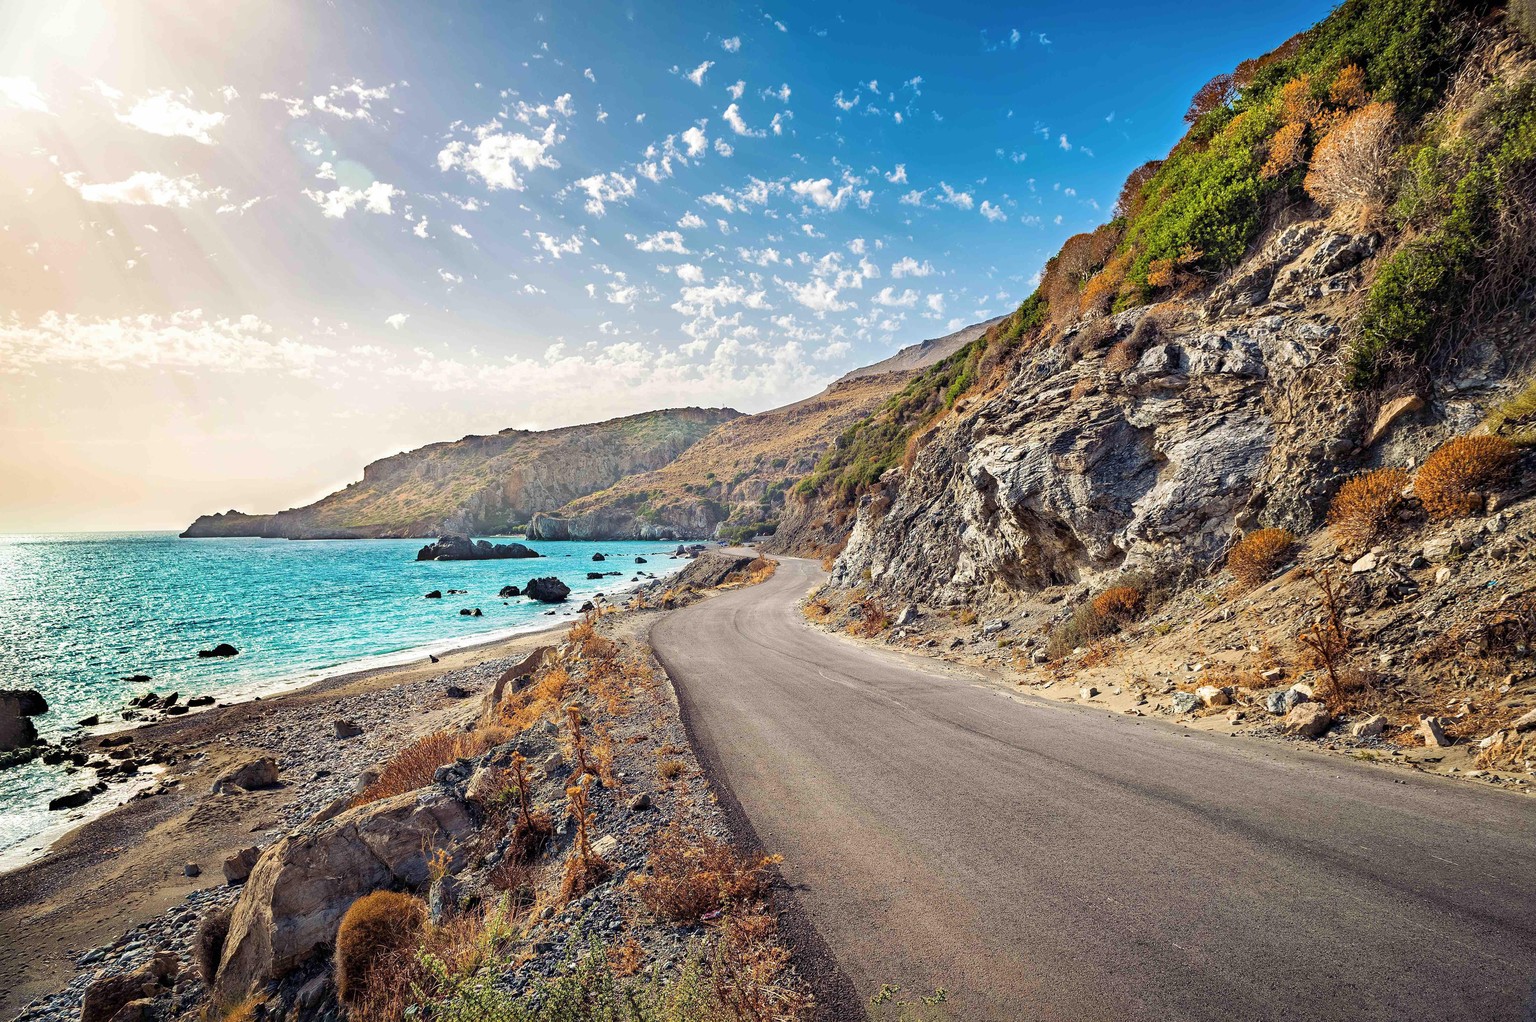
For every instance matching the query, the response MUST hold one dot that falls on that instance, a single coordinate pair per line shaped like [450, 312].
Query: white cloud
[449, 278]
[602, 189]
[145, 188]
[888, 297]
[23, 92]
[820, 192]
[397, 320]
[724, 148]
[461, 231]
[501, 158]
[695, 141]
[960, 200]
[589, 76]
[696, 76]
[914, 197]
[557, 248]
[781, 93]
[899, 175]
[691, 221]
[183, 340]
[935, 303]
[376, 198]
[732, 116]
[690, 274]
[1064, 144]
[165, 114]
[420, 230]
[731, 45]
[906, 266]
[737, 89]
[663, 241]
[817, 295]
[351, 102]
[991, 212]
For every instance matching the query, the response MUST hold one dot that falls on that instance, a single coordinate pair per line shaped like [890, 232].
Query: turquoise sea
[81, 612]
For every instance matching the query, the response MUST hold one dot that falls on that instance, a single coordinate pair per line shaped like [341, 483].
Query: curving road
[1044, 861]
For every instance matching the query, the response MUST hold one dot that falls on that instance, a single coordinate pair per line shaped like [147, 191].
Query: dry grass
[584, 869]
[208, 943]
[1258, 555]
[1365, 508]
[1509, 752]
[1328, 641]
[1119, 603]
[872, 620]
[751, 972]
[671, 769]
[541, 700]
[690, 874]
[1453, 481]
[375, 945]
[759, 569]
[1351, 169]
[414, 765]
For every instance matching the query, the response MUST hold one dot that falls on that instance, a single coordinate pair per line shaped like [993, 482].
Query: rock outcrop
[301, 886]
[462, 548]
[547, 590]
[481, 485]
[1078, 468]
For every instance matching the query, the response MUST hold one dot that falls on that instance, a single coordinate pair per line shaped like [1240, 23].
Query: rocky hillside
[735, 481]
[482, 484]
[1329, 274]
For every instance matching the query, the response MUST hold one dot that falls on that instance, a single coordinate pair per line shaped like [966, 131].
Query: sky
[247, 247]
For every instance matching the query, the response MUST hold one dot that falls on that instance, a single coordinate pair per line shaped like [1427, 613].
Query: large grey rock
[1307, 720]
[1526, 722]
[17, 705]
[1432, 730]
[296, 895]
[1185, 702]
[106, 996]
[257, 774]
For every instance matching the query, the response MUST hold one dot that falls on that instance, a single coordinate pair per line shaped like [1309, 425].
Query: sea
[81, 613]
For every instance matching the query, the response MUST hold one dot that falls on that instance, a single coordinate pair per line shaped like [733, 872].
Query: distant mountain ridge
[480, 485]
[632, 477]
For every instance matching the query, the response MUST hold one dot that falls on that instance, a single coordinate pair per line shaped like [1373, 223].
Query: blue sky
[246, 249]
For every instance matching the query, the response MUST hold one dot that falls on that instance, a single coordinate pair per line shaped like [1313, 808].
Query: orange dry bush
[689, 873]
[751, 972]
[1119, 603]
[584, 869]
[414, 765]
[1287, 150]
[1365, 506]
[542, 698]
[1131, 199]
[1213, 95]
[378, 935]
[1351, 167]
[1297, 106]
[1254, 558]
[1452, 482]
[1348, 89]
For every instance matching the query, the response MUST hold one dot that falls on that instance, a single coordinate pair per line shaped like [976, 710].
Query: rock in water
[598, 557]
[507, 592]
[462, 548]
[222, 649]
[436, 594]
[16, 706]
[547, 590]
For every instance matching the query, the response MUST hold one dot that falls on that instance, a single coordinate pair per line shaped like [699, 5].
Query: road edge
[836, 998]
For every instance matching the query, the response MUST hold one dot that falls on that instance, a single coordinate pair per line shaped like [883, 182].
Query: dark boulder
[594, 575]
[467, 612]
[547, 590]
[641, 560]
[137, 678]
[29, 701]
[17, 705]
[598, 557]
[74, 800]
[222, 649]
[462, 548]
[90, 721]
[200, 701]
[436, 594]
[509, 591]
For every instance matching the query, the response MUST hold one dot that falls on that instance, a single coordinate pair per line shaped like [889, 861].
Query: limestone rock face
[1072, 471]
[301, 886]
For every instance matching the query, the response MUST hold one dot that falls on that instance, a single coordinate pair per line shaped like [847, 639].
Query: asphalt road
[1046, 861]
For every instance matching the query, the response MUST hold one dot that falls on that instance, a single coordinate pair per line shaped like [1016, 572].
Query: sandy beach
[130, 865]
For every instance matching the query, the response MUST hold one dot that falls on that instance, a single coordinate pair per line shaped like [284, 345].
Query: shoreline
[121, 867]
[347, 673]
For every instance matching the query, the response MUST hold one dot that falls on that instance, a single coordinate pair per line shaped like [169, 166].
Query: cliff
[1329, 274]
[735, 481]
[481, 484]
